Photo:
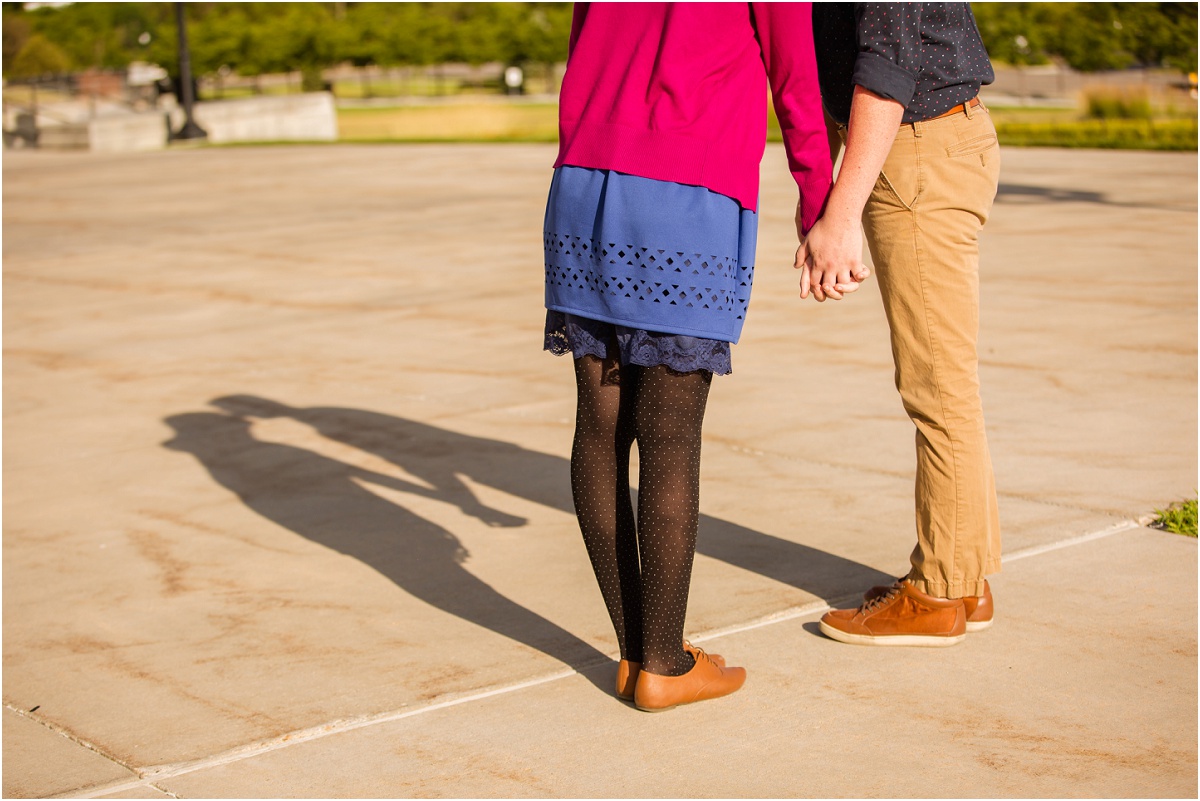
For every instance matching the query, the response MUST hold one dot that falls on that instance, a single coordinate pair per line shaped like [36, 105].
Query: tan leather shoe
[695, 652]
[705, 680]
[627, 672]
[903, 615]
[627, 675]
[980, 608]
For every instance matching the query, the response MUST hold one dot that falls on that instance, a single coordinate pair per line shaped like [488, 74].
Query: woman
[650, 234]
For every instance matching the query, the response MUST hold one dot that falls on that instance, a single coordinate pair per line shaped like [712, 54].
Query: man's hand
[830, 260]
[830, 257]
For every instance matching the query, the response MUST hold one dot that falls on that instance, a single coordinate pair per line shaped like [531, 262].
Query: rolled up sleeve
[889, 49]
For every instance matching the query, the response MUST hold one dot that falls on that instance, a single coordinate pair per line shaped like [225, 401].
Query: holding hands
[830, 259]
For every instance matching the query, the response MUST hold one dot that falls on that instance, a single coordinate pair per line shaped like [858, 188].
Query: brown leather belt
[974, 102]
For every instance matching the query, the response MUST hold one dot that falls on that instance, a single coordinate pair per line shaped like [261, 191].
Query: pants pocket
[900, 181]
[887, 192]
[981, 146]
[976, 145]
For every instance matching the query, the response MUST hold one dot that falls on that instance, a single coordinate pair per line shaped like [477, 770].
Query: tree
[407, 34]
[1160, 34]
[222, 40]
[1015, 33]
[17, 31]
[1091, 36]
[98, 35]
[544, 35]
[39, 58]
[306, 42]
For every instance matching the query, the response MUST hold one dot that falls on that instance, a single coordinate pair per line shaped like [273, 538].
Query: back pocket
[972, 146]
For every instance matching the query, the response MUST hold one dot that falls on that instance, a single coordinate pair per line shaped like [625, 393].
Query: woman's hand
[830, 259]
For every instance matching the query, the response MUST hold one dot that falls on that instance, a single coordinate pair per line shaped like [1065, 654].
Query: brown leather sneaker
[980, 608]
[705, 680]
[903, 615]
[627, 672]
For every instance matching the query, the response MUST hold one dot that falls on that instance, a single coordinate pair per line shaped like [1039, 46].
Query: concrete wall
[306, 118]
[104, 128]
[128, 132]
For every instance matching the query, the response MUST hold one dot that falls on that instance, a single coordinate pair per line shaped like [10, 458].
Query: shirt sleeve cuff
[884, 78]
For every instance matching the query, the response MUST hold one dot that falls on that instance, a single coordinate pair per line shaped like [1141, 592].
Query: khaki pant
[922, 224]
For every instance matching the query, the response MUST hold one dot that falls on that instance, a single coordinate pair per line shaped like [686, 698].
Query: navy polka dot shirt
[926, 56]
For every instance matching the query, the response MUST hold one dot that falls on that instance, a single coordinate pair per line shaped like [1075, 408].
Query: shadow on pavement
[320, 498]
[1029, 195]
[1045, 194]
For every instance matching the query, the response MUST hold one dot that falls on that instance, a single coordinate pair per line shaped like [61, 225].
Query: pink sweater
[677, 92]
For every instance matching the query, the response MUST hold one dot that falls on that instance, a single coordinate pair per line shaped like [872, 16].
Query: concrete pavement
[286, 509]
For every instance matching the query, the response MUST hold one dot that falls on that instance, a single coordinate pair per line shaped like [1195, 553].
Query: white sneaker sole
[919, 640]
[979, 625]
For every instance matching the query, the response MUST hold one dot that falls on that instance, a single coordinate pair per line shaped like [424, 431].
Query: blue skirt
[644, 255]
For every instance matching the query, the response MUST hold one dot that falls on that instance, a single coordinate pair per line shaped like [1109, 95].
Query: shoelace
[879, 601]
[698, 653]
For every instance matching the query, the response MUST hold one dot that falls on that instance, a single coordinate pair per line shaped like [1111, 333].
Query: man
[920, 171]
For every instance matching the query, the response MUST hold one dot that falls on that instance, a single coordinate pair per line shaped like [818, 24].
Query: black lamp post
[190, 129]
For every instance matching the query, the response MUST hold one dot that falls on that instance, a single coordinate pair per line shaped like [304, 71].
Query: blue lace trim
[672, 278]
[582, 336]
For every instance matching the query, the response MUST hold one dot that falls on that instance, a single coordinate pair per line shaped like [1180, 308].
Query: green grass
[1178, 517]
[240, 92]
[482, 122]
[1170, 134]
[392, 87]
[23, 95]
[1058, 127]
[503, 122]
[1002, 114]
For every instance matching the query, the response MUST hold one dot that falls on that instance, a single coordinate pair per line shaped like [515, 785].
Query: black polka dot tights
[643, 565]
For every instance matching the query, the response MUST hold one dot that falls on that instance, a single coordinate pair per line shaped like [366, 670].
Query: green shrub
[1112, 134]
[1115, 104]
[1178, 517]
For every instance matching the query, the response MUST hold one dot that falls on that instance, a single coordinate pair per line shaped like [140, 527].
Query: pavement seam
[804, 610]
[151, 775]
[159, 773]
[1116, 528]
[62, 731]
